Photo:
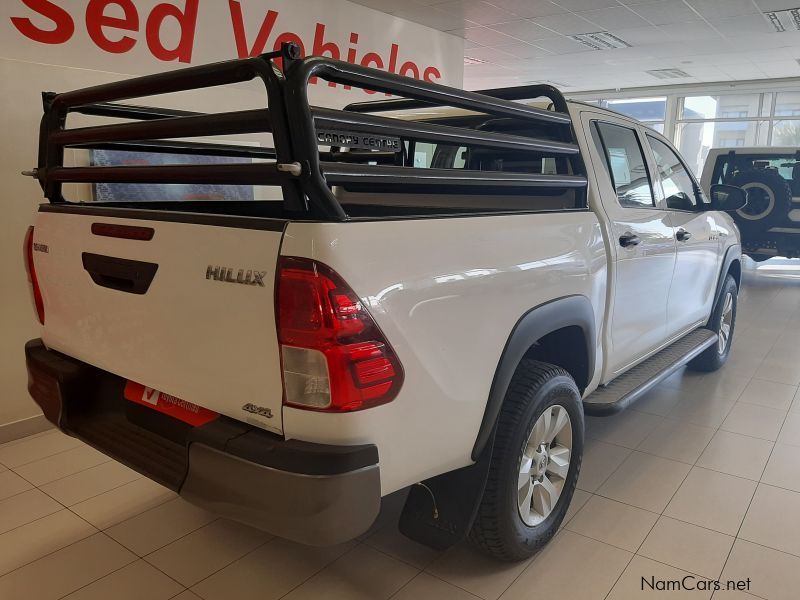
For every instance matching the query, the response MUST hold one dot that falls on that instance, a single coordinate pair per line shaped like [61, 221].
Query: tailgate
[189, 312]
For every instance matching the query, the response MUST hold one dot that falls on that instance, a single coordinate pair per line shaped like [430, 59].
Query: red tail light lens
[29, 267]
[335, 358]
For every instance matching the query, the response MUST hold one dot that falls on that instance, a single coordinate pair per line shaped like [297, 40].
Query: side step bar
[630, 386]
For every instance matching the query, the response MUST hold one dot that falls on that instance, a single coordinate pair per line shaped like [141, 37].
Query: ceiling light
[784, 20]
[668, 73]
[468, 60]
[600, 40]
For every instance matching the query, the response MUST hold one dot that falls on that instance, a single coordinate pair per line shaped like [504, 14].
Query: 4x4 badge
[258, 410]
[248, 277]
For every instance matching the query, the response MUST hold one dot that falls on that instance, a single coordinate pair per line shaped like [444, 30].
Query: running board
[630, 386]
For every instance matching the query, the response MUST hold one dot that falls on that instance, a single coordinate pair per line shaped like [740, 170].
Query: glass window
[626, 165]
[787, 104]
[786, 133]
[677, 184]
[720, 107]
[694, 140]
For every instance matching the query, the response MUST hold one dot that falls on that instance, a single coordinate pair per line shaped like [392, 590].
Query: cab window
[625, 163]
[678, 186]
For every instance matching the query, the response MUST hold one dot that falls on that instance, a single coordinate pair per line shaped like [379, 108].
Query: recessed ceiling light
[784, 20]
[668, 73]
[468, 60]
[600, 40]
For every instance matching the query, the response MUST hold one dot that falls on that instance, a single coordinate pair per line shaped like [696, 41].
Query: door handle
[683, 235]
[629, 239]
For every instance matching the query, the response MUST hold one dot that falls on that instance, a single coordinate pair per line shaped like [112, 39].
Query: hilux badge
[245, 277]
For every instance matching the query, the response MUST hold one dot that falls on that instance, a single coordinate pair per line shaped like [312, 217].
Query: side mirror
[727, 197]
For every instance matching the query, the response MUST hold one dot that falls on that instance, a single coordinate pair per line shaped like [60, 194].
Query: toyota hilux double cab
[440, 286]
[769, 222]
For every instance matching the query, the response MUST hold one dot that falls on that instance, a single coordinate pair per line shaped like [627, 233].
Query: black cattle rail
[296, 164]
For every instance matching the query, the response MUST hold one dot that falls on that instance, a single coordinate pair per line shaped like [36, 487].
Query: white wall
[49, 46]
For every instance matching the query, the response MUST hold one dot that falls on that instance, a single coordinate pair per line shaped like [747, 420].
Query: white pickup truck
[445, 282]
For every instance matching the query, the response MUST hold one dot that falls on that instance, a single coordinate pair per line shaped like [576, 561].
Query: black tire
[498, 529]
[769, 200]
[712, 359]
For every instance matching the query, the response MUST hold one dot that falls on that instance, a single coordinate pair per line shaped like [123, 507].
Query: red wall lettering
[237, 20]
[64, 25]
[96, 20]
[115, 26]
[187, 20]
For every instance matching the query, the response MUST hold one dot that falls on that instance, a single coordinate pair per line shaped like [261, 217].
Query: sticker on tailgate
[170, 405]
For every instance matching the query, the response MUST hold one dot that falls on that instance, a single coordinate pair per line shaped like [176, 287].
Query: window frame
[701, 202]
[633, 127]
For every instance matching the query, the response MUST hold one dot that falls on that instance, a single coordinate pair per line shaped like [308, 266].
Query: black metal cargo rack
[296, 164]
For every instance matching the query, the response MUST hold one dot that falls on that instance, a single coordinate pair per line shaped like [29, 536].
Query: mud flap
[439, 511]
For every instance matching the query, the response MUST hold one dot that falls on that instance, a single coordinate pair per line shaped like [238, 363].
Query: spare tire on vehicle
[769, 200]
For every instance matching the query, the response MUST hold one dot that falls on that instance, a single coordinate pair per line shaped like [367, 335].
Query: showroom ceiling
[644, 43]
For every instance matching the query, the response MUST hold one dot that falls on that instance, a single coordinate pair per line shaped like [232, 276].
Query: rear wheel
[535, 463]
[723, 322]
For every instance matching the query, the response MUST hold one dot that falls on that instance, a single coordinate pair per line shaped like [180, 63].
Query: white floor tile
[428, 587]
[773, 519]
[688, 547]
[736, 454]
[755, 421]
[157, 527]
[25, 507]
[62, 464]
[790, 433]
[643, 576]
[207, 550]
[614, 523]
[645, 481]
[90, 482]
[66, 570]
[768, 393]
[33, 448]
[362, 574]
[135, 581]
[38, 538]
[122, 503]
[600, 460]
[773, 575]
[553, 573]
[712, 500]
[12, 484]
[677, 440]
[783, 468]
[466, 568]
[283, 564]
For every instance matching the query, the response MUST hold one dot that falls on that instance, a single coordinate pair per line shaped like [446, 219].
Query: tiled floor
[701, 477]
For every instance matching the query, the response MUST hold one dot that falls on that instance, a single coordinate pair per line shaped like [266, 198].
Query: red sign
[169, 405]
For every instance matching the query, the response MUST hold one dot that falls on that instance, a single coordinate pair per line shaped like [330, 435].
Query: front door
[698, 257]
[642, 242]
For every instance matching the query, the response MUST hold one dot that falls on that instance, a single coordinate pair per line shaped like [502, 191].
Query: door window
[679, 187]
[625, 164]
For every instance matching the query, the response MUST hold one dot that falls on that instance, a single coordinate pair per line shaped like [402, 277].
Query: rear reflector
[34, 281]
[127, 232]
[169, 405]
[334, 356]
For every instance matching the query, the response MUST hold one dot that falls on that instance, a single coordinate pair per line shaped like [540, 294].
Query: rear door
[698, 258]
[641, 241]
[188, 312]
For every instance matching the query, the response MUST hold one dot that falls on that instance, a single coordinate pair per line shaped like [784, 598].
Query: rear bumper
[310, 493]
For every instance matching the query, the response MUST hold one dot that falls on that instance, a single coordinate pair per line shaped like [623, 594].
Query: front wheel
[535, 463]
[723, 322]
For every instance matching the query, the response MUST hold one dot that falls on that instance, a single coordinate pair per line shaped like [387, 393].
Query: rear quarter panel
[447, 293]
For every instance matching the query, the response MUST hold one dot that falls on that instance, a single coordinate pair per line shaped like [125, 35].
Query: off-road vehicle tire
[723, 322]
[537, 390]
[769, 200]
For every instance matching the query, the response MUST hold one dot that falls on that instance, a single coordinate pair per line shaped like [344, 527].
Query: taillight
[29, 267]
[335, 358]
